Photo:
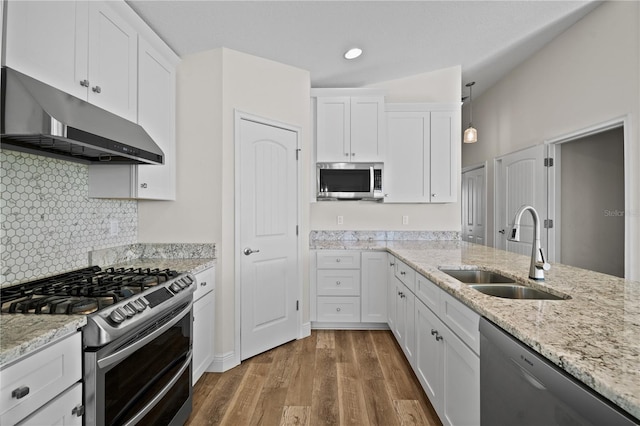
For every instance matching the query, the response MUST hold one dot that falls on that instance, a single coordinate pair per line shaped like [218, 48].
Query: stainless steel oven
[137, 341]
[143, 377]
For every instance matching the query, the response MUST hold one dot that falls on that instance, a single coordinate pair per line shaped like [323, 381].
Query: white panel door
[473, 205]
[113, 62]
[267, 236]
[521, 178]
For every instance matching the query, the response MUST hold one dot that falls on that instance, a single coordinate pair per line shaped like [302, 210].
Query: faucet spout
[538, 261]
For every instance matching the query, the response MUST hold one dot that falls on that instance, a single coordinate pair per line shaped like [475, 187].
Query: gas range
[115, 300]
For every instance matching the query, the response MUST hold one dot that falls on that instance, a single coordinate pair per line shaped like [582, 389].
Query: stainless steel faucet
[538, 261]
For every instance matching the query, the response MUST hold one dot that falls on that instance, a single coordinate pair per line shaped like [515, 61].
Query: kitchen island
[594, 336]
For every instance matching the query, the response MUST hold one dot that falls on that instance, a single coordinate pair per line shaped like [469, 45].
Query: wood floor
[329, 378]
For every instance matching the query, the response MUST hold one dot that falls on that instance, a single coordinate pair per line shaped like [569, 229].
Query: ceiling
[399, 38]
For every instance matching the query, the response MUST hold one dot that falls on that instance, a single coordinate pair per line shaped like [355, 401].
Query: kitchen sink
[514, 291]
[495, 284]
[475, 276]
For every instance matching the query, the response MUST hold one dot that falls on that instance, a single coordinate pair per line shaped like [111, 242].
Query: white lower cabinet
[44, 385]
[203, 322]
[447, 368]
[348, 287]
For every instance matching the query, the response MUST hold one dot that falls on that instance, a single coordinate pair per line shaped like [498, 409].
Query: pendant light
[471, 134]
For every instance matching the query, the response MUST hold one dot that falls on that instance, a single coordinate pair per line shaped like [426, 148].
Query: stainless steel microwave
[349, 181]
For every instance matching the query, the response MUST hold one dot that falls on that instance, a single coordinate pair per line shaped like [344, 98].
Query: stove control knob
[139, 305]
[188, 280]
[175, 287]
[117, 316]
[129, 310]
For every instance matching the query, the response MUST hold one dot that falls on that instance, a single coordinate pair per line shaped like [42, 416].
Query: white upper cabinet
[113, 66]
[83, 48]
[422, 163]
[156, 113]
[349, 128]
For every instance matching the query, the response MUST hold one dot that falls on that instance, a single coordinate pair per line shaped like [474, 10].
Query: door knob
[247, 251]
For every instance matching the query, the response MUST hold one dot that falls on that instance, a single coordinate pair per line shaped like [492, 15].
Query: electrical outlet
[114, 227]
[405, 220]
[340, 220]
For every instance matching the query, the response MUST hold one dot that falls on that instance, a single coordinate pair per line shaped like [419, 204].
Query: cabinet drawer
[338, 309]
[205, 282]
[338, 259]
[45, 374]
[463, 321]
[338, 282]
[406, 274]
[60, 411]
[428, 293]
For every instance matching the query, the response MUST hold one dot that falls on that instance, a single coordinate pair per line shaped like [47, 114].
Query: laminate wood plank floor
[333, 377]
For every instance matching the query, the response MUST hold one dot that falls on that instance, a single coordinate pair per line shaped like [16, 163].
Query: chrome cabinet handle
[338, 283]
[433, 195]
[338, 309]
[20, 392]
[403, 273]
[96, 89]
[203, 283]
[438, 338]
[338, 260]
[434, 332]
[84, 83]
[501, 231]
[247, 251]
[346, 154]
[143, 185]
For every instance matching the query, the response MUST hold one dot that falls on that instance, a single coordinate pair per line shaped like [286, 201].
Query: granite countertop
[594, 335]
[22, 334]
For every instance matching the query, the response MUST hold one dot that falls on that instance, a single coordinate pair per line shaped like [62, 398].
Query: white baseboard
[305, 330]
[223, 362]
[349, 326]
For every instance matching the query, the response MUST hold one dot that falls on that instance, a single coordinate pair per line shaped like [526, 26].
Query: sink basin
[514, 291]
[476, 276]
[495, 284]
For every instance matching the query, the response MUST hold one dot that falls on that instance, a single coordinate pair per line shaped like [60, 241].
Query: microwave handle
[372, 177]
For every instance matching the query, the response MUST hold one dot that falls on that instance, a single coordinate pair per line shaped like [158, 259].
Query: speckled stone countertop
[22, 334]
[594, 336]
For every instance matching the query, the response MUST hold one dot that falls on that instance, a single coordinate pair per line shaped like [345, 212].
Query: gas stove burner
[83, 291]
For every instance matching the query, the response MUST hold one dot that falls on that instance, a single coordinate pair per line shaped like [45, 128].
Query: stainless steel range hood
[41, 119]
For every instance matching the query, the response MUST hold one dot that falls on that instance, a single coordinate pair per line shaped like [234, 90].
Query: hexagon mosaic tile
[48, 224]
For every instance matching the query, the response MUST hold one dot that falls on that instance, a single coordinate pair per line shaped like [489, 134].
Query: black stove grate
[82, 291]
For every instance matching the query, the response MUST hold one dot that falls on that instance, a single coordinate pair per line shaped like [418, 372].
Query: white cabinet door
[156, 114]
[391, 293]
[203, 344]
[374, 287]
[203, 322]
[400, 316]
[48, 41]
[113, 65]
[429, 354]
[367, 129]
[461, 392]
[409, 342]
[62, 411]
[333, 121]
[443, 167]
[407, 162]
[350, 129]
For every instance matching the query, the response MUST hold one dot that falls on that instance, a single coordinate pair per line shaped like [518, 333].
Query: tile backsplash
[48, 223]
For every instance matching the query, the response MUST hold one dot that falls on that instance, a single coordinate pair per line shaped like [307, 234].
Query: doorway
[267, 252]
[589, 195]
[474, 204]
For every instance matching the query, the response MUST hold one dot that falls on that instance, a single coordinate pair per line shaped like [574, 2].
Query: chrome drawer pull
[20, 393]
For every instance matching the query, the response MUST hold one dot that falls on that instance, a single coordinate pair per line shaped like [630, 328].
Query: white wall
[211, 85]
[438, 86]
[587, 75]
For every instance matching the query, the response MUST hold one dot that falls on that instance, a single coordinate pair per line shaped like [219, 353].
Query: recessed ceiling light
[353, 53]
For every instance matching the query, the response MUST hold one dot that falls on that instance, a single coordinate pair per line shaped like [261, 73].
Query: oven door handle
[122, 354]
[160, 394]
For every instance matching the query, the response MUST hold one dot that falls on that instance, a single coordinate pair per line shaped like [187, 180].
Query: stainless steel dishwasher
[520, 387]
